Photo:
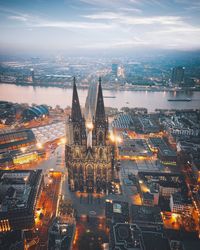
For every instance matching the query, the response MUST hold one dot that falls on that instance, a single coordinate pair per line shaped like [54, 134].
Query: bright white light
[39, 145]
[23, 149]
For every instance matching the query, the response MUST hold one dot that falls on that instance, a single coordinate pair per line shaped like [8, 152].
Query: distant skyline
[73, 26]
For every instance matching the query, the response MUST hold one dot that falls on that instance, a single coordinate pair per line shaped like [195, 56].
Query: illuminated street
[47, 205]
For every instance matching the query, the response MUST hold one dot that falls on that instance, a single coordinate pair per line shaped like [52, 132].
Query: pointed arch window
[101, 153]
[76, 136]
[100, 137]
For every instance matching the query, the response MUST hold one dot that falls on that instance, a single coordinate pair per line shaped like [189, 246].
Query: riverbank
[129, 87]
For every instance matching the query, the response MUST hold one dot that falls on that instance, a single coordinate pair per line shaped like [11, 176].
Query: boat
[109, 96]
[180, 100]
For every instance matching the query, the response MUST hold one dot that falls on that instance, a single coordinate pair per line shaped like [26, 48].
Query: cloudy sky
[75, 25]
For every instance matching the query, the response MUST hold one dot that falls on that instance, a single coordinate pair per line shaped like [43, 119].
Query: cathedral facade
[88, 153]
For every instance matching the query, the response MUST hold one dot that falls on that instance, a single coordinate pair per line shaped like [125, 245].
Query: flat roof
[171, 180]
[126, 236]
[117, 211]
[135, 147]
[146, 214]
[21, 199]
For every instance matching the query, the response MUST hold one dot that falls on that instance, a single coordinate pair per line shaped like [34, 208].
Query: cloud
[126, 9]
[127, 19]
[77, 25]
[18, 18]
[114, 4]
[33, 21]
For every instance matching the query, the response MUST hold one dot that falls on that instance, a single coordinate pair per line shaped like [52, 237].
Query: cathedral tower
[100, 131]
[79, 133]
[89, 160]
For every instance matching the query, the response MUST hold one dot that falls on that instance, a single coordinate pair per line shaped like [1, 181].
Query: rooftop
[16, 138]
[117, 211]
[126, 236]
[135, 147]
[18, 192]
[146, 215]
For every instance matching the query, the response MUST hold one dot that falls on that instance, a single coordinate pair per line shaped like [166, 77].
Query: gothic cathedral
[88, 153]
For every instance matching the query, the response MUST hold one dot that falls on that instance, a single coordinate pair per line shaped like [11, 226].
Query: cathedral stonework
[88, 153]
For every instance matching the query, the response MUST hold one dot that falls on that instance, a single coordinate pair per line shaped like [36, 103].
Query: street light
[115, 138]
[39, 145]
[23, 149]
[62, 140]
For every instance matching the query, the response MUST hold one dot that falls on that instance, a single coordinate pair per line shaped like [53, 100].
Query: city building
[146, 215]
[148, 124]
[167, 183]
[126, 236]
[167, 157]
[9, 112]
[122, 121]
[5, 160]
[17, 157]
[32, 75]
[19, 192]
[147, 198]
[188, 82]
[134, 148]
[176, 245]
[116, 211]
[89, 154]
[154, 237]
[165, 153]
[178, 75]
[179, 203]
[16, 140]
[13, 240]
[35, 112]
[149, 220]
[60, 235]
[115, 69]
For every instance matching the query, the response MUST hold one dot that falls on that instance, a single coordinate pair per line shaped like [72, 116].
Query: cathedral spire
[76, 109]
[100, 110]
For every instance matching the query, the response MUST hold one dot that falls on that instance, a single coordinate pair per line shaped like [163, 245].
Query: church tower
[79, 133]
[100, 132]
[89, 156]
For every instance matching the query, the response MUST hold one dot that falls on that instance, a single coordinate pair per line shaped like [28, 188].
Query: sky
[72, 26]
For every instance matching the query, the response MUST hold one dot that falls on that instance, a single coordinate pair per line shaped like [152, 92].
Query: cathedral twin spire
[76, 115]
[100, 110]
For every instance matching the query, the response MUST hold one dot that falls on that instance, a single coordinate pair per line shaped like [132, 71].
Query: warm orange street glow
[39, 145]
[89, 125]
[63, 140]
[115, 138]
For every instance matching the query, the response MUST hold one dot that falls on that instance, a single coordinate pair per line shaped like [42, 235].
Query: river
[63, 97]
